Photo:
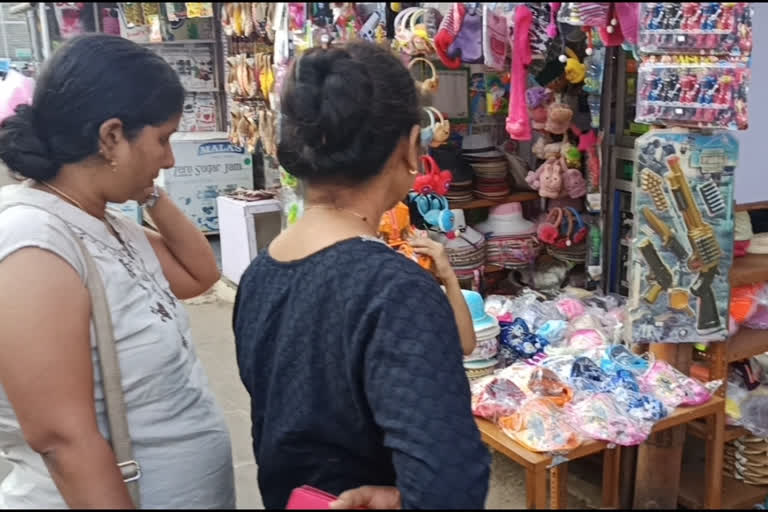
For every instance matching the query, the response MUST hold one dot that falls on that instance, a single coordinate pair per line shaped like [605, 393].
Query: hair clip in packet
[540, 427]
[599, 417]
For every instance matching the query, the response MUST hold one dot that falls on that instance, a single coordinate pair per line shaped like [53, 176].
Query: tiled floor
[211, 327]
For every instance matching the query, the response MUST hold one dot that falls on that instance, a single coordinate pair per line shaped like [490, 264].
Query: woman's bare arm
[47, 373]
[186, 256]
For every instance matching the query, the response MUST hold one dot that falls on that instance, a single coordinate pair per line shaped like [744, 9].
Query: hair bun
[21, 147]
[330, 104]
[343, 110]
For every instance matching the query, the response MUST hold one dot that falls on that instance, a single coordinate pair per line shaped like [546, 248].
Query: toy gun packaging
[683, 238]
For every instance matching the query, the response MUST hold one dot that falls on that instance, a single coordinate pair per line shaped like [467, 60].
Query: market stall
[579, 167]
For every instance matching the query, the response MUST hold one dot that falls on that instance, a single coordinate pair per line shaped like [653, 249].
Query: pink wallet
[309, 498]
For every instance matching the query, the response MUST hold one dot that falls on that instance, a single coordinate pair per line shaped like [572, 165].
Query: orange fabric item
[395, 228]
[545, 384]
[744, 301]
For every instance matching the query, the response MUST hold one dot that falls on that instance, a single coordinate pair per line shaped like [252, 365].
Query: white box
[246, 227]
[207, 165]
[130, 209]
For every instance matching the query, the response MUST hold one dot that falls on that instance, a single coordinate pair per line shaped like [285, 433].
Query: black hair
[343, 111]
[88, 80]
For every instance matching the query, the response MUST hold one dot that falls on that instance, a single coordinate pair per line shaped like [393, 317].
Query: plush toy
[538, 99]
[558, 118]
[572, 155]
[575, 70]
[574, 184]
[551, 179]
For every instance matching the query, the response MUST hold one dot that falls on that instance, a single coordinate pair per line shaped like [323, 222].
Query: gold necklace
[74, 202]
[331, 207]
[63, 194]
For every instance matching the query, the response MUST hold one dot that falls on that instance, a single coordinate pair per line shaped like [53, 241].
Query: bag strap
[111, 379]
[120, 437]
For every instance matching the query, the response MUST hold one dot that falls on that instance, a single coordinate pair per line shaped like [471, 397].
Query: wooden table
[538, 464]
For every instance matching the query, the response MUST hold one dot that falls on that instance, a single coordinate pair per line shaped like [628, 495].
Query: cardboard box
[207, 166]
[246, 228]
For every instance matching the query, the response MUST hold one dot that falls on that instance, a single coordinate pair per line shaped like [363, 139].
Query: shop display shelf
[736, 494]
[700, 430]
[745, 344]
[537, 464]
[749, 269]
[746, 207]
[515, 197]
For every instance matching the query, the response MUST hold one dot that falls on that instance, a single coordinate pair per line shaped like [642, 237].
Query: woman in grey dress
[98, 132]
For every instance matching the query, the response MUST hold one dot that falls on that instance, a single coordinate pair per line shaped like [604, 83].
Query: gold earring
[114, 166]
[413, 172]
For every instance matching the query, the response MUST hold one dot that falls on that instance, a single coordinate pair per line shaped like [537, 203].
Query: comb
[652, 184]
[712, 197]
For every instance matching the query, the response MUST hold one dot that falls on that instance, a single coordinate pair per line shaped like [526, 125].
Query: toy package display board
[713, 28]
[681, 253]
[703, 92]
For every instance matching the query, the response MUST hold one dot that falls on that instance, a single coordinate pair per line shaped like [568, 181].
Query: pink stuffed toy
[551, 179]
[574, 184]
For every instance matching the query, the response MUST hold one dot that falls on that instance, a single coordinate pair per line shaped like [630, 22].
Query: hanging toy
[552, 27]
[575, 70]
[590, 42]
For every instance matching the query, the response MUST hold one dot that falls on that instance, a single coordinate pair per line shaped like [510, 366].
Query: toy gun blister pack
[713, 28]
[684, 225]
[703, 92]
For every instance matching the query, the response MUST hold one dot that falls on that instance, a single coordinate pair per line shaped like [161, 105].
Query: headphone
[581, 229]
[429, 85]
[549, 230]
[435, 211]
[433, 180]
[412, 37]
[437, 133]
[559, 234]
[572, 235]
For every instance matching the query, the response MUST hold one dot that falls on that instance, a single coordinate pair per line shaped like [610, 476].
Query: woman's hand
[369, 497]
[436, 251]
[185, 256]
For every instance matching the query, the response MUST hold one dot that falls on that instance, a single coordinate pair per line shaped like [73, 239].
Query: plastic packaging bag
[540, 426]
[599, 417]
[546, 384]
[494, 397]
[15, 90]
[672, 387]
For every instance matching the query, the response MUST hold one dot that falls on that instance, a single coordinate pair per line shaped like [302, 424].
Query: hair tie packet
[599, 417]
[540, 426]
